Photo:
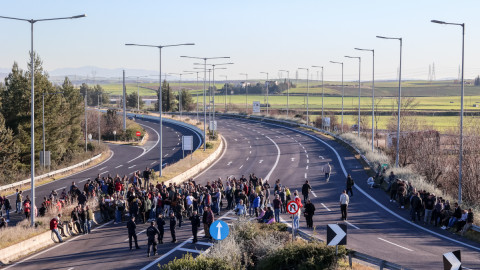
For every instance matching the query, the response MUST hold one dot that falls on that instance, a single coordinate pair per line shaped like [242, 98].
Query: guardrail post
[350, 259]
[382, 262]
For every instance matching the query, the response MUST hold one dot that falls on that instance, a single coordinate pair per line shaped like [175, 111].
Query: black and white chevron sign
[452, 260]
[336, 234]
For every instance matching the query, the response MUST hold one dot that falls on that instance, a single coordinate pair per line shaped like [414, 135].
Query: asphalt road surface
[125, 160]
[375, 226]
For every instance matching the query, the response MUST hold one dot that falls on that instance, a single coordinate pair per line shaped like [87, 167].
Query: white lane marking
[308, 161]
[102, 168]
[248, 141]
[165, 155]
[118, 166]
[306, 168]
[256, 138]
[250, 152]
[71, 268]
[394, 244]
[352, 225]
[260, 161]
[204, 243]
[313, 193]
[321, 157]
[235, 139]
[250, 146]
[293, 158]
[131, 166]
[83, 180]
[276, 161]
[263, 134]
[248, 158]
[137, 234]
[55, 246]
[228, 164]
[190, 250]
[153, 163]
[305, 151]
[60, 188]
[104, 172]
[328, 209]
[240, 167]
[173, 149]
[307, 156]
[305, 175]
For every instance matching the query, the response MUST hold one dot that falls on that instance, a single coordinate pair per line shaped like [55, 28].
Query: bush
[199, 263]
[302, 255]
[209, 145]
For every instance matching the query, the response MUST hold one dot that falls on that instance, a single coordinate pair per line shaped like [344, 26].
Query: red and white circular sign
[139, 134]
[292, 207]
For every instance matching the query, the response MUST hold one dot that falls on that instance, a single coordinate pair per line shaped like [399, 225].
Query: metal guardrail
[372, 260]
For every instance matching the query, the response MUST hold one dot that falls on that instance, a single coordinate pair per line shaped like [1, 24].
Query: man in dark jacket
[415, 207]
[152, 232]
[350, 184]
[160, 224]
[173, 225]
[195, 218]
[306, 188]
[131, 226]
[309, 212]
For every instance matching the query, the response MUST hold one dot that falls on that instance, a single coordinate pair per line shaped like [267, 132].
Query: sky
[259, 36]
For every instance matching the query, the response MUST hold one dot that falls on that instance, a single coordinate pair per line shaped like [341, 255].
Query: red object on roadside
[139, 134]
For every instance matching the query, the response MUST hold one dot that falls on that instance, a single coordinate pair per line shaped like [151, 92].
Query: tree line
[258, 88]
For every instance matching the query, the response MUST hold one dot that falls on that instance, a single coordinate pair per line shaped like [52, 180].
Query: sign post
[292, 208]
[336, 235]
[452, 260]
[256, 107]
[187, 144]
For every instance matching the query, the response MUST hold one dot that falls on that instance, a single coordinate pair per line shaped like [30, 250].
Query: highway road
[124, 160]
[376, 227]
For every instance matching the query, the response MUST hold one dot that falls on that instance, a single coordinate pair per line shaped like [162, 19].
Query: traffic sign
[336, 234]
[292, 207]
[138, 134]
[219, 230]
[452, 260]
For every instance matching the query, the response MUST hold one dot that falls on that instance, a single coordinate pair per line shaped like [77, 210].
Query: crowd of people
[426, 207]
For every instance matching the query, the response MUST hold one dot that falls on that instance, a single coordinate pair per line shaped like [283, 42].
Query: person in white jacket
[327, 169]
[344, 200]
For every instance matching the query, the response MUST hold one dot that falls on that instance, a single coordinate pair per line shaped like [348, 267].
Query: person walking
[350, 184]
[309, 212]
[344, 200]
[152, 232]
[173, 225]
[195, 218]
[327, 169]
[161, 229]
[131, 226]
[306, 189]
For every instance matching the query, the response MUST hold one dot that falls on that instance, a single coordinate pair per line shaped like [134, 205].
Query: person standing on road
[18, 202]
[131, 226]
[27, 207]
[327, 169]
[173, 225]
[277, 206]
[415, 207]
[309, 212]
[344, 200]
[161, 229]
[146, 177]
[208, 219]
[152, 232]
[306, 189]
[350, 184]
[195, 218]
[90, 218]
[8, 207]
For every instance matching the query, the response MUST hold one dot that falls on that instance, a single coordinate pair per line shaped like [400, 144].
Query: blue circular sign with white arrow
[219, 230]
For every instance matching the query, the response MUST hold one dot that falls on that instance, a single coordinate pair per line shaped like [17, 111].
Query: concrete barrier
[36, 243]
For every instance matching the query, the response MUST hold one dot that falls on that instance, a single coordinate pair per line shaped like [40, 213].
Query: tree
[8, 153]
[477, 81]
[187, 100]
[168, 99]
[93, 93]
[132, 101]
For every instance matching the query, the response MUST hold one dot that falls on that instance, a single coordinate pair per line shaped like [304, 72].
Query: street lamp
[226, 91]
[288, 86]
[246, 92]
[160, 90]
[267, 88]
[308, 88]
[359, 90]
[323, 92]
[343, 89]
[460, 157]
[32, 103]
[373, 93]
[397, 158]
[204, 85]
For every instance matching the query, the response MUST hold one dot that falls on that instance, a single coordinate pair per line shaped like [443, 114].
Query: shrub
[209, 145]
[302, 255]
[199, 263]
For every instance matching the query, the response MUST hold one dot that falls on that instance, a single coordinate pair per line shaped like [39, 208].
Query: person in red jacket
[54, 228]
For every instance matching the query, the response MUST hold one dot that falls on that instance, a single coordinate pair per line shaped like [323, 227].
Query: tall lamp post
[288, 87]
[160, 47]
[343, 89]
[246, 92]
[323, 92]
[266, 82]
[359, 90]
[373, 93]
[32, 103]
[204, 90]
[397, 158]
[460, 155]
[308, 88]
[226, 91]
